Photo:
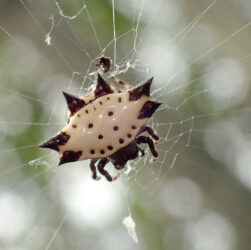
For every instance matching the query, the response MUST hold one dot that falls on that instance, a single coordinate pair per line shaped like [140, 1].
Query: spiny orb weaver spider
[106, 125]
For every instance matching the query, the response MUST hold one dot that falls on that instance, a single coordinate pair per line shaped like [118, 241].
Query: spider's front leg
[149, 141]
[101, 165]
[150, 131]
[93, 169]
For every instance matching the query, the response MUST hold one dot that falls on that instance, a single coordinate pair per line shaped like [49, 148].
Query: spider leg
[93, 169]
[119, 167]
[150, 131]
[101, 165]
[124, 84]
[142, 151]
[148, 140]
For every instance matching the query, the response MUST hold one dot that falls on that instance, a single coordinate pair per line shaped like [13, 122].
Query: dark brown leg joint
[147, 140]
[101, 165]
[150, 131]
[93, 169]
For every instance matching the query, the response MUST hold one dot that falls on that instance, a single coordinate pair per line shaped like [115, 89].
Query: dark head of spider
[122, 156]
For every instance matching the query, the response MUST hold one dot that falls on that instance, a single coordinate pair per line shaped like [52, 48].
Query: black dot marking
[115, 128]
[74, 126]
[78, 115]
[101, 103]
[110, 113]
[129, 135]
[102, 151]
[110, 147]
[92, 151]
[86, 111]
[108, 98]
[94, 108]
[100, 137]
[134, 127]
[121, 141]
[119, 99]
[90, 125]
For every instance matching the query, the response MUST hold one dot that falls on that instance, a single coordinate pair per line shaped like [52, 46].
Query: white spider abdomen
[104, 126]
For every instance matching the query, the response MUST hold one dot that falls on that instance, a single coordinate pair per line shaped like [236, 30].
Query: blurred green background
[197, 194]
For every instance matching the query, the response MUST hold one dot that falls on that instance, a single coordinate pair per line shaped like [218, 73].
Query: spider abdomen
[104, 126]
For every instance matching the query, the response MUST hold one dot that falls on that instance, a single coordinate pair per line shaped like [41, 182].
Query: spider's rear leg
[124, 84]
[119, 167]
[150, 131]
[101, 165]
[93, 169]
[149, 141]
[142, 151]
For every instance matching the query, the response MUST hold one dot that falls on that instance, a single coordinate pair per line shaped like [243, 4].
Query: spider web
[203, 122]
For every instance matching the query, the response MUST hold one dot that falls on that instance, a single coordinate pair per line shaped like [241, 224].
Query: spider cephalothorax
[106, 126]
